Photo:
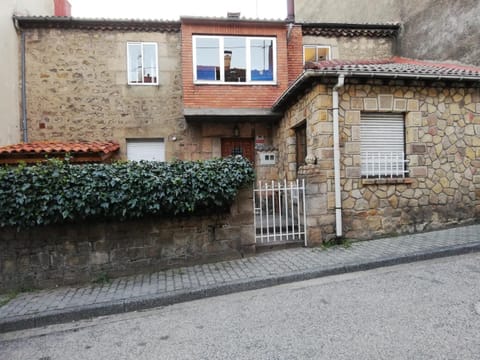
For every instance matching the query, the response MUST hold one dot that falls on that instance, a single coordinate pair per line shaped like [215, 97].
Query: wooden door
[239, 146]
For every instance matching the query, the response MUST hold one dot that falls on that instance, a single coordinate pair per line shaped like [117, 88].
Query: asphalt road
[426, 310]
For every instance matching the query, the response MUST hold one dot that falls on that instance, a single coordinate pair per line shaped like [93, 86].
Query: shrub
[57, 192]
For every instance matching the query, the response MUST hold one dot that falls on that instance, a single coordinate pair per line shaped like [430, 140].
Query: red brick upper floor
[244, 64]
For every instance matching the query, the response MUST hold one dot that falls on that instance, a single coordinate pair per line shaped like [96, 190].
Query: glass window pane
[323, 54]
[207, 52]
[149, 63]
[235, 59]
[309, 54]
[134, 63]
[261, 60]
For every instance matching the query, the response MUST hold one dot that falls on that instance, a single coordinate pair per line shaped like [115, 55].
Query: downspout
[336, 157]
[23, 79]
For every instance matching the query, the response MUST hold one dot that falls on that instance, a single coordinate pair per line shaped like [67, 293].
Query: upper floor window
[315, 53]
[234, 59]
[142, 63]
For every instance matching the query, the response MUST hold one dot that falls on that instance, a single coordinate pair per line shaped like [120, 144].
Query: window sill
[386, 181]
[233, 83]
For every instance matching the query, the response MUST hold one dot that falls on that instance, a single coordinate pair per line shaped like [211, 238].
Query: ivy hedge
[57, 192]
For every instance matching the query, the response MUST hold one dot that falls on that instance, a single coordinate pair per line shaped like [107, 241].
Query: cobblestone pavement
[265, 269]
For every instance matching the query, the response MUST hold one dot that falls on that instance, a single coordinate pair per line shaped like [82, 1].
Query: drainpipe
[23, 79]
[336, 156]
[24, 91]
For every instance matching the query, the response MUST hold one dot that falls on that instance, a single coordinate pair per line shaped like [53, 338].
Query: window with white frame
[382, 145]
[234, 59]
[315, 53]
[146, 149]
[142, 58]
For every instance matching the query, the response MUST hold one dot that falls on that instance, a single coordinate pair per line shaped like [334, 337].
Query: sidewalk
[62, 305]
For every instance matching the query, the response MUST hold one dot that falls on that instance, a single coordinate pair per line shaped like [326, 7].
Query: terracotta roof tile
[391, 68]
[350, 30]
[48, 147]
[398, 67]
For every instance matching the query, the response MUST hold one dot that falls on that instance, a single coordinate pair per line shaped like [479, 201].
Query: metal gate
[280, 215]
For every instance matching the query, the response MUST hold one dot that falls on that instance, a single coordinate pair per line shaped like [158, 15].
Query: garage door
[146, 149]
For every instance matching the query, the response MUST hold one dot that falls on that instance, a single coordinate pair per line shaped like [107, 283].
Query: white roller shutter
[382, 144]
[382, 132]
[146, 149]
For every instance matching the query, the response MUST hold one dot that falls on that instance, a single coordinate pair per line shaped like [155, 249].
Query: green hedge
[57, 192]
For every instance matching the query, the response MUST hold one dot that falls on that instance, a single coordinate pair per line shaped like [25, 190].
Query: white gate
[280, 215]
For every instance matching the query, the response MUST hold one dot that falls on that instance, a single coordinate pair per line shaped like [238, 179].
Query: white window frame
[382, 145]
[248, 65]
[148, 142]
[154, 76]
[316, 47]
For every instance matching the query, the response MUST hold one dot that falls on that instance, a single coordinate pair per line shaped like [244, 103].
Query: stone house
[202, 88]
[386, 146]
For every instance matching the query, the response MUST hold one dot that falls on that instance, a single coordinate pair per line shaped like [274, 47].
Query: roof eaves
[350, 30]
[68, 22]
[309, 74]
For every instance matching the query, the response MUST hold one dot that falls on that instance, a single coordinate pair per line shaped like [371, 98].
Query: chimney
[233, 15]
[62, 8]
[290, 10]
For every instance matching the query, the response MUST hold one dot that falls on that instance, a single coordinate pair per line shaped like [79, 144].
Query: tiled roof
[350, 30]
[397, 67]
[50, 147]
[67, 22]
[392, 68]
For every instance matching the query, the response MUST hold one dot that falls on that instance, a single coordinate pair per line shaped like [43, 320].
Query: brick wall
[234, 96]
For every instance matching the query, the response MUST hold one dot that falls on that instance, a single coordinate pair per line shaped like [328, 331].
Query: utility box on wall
[268, 158]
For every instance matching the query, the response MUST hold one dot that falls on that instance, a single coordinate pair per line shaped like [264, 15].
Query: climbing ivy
[57, 192]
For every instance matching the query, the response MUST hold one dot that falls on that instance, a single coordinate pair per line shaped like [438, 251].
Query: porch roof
[230, 114]
[82, 151]
[392, 68]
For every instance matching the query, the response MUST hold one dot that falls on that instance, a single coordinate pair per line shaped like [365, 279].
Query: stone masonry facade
[77, 88]
[354, 48]
[442, 143]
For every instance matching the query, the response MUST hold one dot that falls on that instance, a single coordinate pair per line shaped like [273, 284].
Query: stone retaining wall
[70, 254]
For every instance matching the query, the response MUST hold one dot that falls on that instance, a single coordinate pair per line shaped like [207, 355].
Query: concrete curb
[156, 300]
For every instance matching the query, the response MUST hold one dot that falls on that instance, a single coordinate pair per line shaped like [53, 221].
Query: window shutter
[152, 150]
[382, 132]
[382, 145]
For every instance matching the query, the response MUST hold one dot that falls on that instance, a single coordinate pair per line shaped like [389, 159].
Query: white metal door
[279, 213]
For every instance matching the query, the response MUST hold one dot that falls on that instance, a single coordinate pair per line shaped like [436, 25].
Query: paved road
[425, 310]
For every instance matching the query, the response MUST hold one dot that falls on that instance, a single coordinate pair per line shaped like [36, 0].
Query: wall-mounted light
[236, 131]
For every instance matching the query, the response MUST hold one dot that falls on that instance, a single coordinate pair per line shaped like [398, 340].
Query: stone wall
[354, 48]
[441, 30]
[77, 88]
[442, 132]
[70, 254]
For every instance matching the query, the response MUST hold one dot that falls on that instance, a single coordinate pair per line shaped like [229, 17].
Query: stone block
[385, 102]
[412, 105]
[418, 171]
[370, 104]
[352, 117]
